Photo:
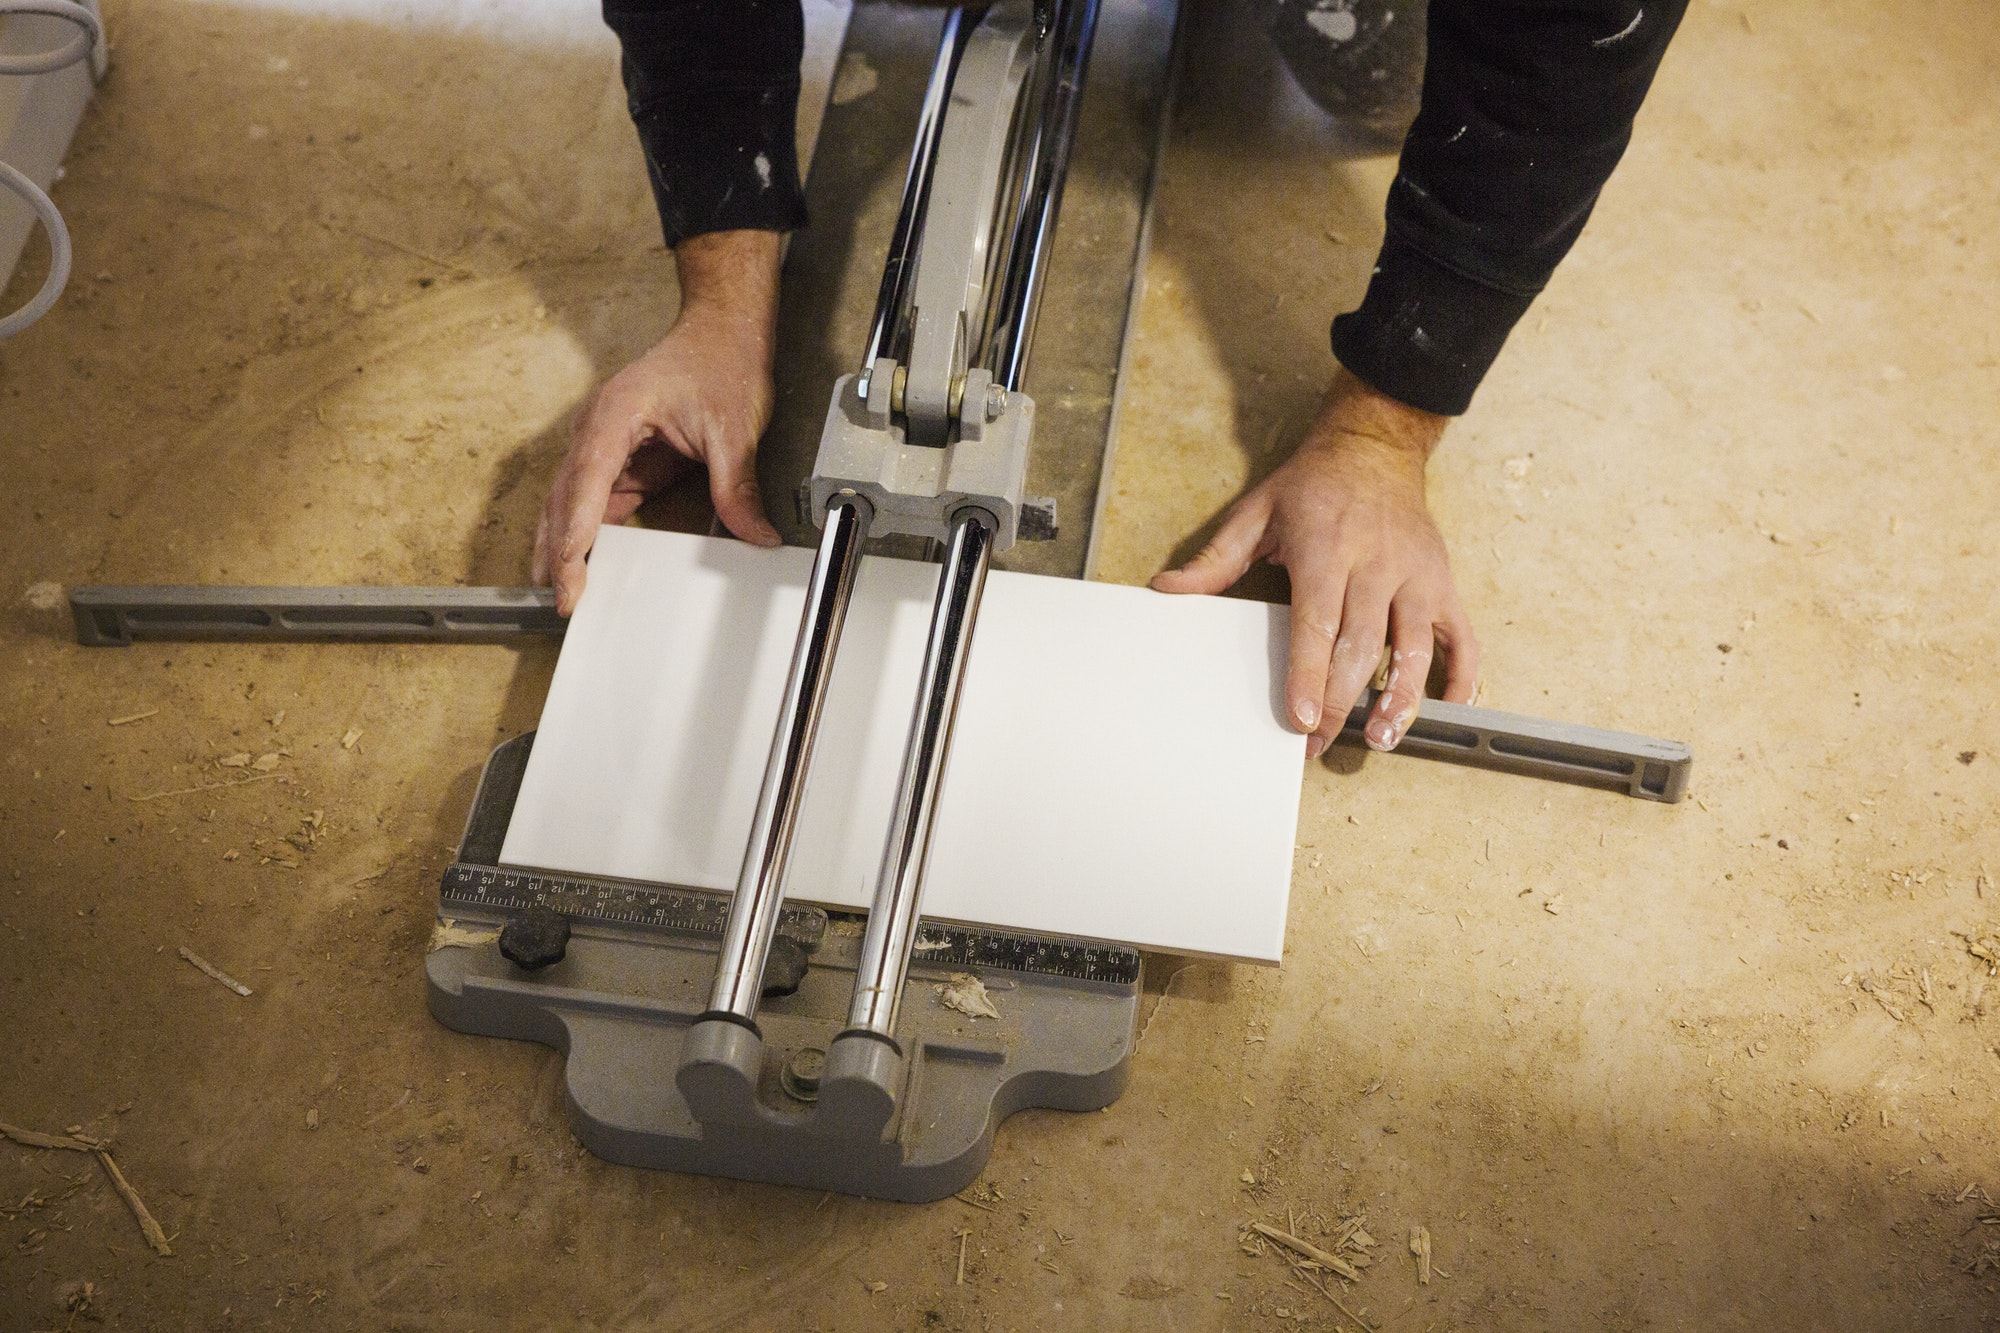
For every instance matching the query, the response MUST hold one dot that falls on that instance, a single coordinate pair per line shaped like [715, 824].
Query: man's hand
[701, 395]
[1345, 516]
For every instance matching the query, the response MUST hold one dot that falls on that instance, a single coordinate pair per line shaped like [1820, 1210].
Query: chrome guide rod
[753, 911]
[903, 243]
[892, 919]
[1041, 203]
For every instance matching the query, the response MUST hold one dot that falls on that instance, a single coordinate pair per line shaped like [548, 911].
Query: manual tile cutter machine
[735, 1035]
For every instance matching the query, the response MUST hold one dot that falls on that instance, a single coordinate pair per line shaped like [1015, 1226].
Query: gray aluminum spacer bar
[109, 617]
[1653, 770]
[113, 617]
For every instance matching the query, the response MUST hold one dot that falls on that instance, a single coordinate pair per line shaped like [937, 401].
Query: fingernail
[1307, 712]
[1380, 735]
[1315, 746]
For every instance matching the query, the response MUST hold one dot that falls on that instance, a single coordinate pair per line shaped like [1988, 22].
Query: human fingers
[1410, 647]
[576, 505]
[739, 500]
[538, 564]
[1460, 647]
[1228, 555]
[1357, 651]
[1313, 629]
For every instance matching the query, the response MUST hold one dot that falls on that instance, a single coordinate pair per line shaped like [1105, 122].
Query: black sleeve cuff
[713, 88]
[1425, 334]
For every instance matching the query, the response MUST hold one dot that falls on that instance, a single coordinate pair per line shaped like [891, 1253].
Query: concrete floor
[1720, 1065]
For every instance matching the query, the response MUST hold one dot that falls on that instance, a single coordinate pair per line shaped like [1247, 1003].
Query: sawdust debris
[1420, 1246]
[130, 718]
[1983, 943]
[448, 934]
[967, 994]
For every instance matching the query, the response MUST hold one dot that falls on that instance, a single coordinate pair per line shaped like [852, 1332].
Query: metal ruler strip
[657, 909]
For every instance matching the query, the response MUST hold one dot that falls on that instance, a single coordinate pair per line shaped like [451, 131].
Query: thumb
[739, 501]
[1227, 557]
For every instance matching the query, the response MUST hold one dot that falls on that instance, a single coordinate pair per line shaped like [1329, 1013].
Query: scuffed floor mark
[44, 596]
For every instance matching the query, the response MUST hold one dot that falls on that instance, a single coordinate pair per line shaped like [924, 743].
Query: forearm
[1527, 107]
[729, 283]
[713, 88]
[1356, 415]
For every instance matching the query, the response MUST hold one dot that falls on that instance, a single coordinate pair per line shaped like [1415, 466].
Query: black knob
[784, 966]
[535, 939]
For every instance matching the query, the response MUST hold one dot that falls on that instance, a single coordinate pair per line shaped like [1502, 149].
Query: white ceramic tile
[1119, 770]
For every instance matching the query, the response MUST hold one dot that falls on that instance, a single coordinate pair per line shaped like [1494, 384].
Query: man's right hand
[701, 396]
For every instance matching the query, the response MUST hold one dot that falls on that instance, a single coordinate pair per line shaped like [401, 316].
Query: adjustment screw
[801, 1074]
[996, 401]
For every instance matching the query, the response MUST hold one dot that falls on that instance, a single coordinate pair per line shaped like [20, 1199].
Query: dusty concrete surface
[1722, 1065]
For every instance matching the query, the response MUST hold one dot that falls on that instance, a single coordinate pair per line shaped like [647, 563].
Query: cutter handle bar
[896, 271]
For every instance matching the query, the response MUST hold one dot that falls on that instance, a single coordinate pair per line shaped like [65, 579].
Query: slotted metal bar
[109, 616]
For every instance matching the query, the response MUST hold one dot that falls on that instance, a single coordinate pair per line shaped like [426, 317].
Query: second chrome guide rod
[892, 919]
[760, 887]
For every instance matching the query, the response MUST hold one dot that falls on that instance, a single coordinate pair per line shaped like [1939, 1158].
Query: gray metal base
[622, 1011]
[650, 1084]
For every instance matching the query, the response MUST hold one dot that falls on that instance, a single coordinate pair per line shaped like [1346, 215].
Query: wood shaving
[1420, 1245]
[76, 1140]
[212, 970]
[36, 1139]
[148, 1228]
[206, 786]
[1333, 1263]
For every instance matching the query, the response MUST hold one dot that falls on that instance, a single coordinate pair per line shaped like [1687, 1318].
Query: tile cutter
[740, 1036]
